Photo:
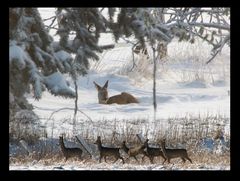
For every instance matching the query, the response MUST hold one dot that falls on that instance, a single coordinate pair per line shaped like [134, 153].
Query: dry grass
[202, 161]
[179, 133]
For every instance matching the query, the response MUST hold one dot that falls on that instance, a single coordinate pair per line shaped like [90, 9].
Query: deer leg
[122, 159]
[116, 159]
[189, 159]
[143, 158]
[100, 158]
[135, 158]
[183, 159]
[105, 159]
[151, 159]
[127, 159]
[164, 160]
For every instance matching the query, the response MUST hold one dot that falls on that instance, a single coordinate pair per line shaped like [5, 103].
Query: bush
[24, 125]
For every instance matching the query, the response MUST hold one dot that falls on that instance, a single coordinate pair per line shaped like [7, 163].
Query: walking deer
[174, 153]
[106, 151]
[123, 98]
[133, 152]
[69, 152]
[152, 152]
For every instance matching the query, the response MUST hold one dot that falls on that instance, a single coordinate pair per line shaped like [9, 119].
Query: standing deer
[106, 151]
[123, 98]
[69, 152]
[152, 152]
[174, 153]
[133, 152]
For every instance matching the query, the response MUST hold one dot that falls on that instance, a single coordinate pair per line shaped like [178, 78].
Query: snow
[172, 99]
[57, 85]
[178, 94]
[63, 55]
[117, 166]
[196, 84]
[17, 54]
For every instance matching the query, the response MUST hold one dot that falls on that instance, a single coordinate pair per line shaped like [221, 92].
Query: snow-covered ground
[172, 99]
[117, 166]
[184, 87]
[176, 96]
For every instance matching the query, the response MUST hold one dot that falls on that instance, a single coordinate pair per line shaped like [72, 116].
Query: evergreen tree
[36, 62]
[85, 24]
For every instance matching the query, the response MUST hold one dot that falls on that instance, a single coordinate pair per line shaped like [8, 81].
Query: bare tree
[158, 26]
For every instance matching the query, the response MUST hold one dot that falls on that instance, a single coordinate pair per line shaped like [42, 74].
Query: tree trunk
[76, 107]
[162, 47]
[154, 83]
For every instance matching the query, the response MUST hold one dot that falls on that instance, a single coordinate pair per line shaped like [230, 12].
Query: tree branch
[212, 25]
[221, 45]
[66, 108]
[209, 25]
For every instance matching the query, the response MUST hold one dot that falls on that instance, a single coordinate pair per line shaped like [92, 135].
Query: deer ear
[98, 87]
[106, 84]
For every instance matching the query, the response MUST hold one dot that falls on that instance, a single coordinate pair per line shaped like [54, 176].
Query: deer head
[102, 92]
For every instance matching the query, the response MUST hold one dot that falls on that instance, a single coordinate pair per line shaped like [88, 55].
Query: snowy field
[117, 166]
[186, 87]
[173, 99]
[179, 93]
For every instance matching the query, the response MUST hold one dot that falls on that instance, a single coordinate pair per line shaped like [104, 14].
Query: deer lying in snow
[123, 98]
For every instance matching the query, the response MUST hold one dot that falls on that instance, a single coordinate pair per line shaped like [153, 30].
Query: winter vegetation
[119, 88]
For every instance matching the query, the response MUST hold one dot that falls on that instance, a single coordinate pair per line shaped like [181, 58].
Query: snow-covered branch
[209, 25]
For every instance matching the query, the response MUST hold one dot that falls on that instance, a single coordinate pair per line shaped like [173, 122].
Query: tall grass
[185, 62]
[183, 132]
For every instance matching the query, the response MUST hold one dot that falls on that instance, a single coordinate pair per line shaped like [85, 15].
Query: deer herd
[143, 148]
